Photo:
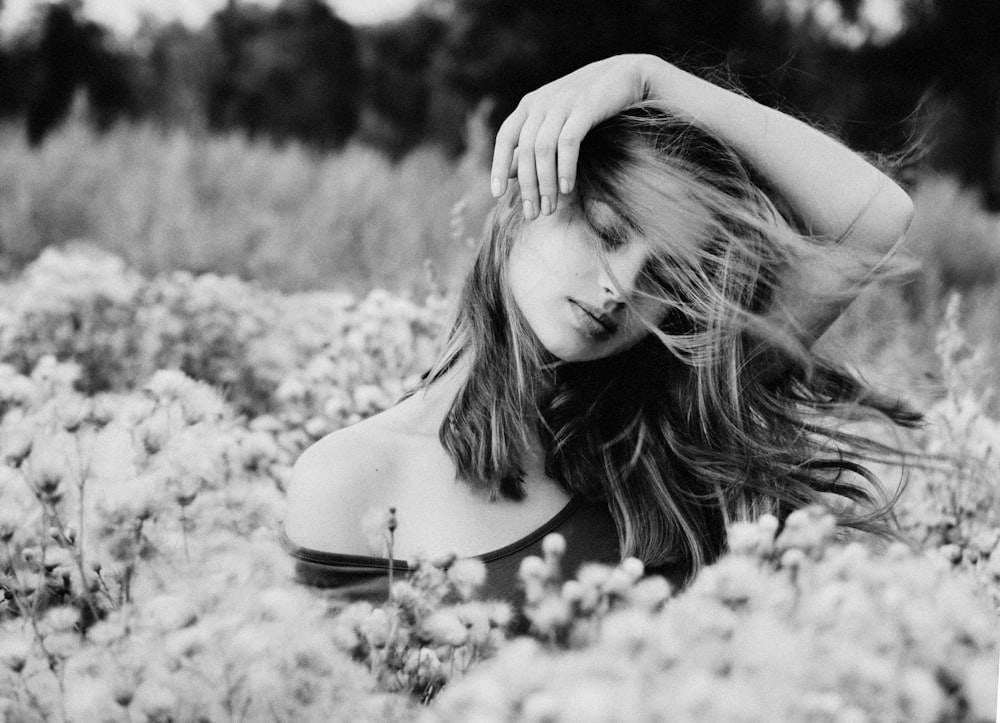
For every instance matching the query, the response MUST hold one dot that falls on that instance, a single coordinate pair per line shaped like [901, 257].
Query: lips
[592, 321]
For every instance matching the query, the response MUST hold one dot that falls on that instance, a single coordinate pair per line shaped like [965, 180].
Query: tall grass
[295, 219]
[289, 217]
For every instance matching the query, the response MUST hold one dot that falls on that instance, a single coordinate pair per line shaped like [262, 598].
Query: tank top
[587, 527]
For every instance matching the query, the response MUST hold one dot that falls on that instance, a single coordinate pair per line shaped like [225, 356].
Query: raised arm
[834, 191]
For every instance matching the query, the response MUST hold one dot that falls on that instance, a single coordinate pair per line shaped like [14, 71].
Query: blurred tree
[505, 48]
[957, 49]
[942, 62]
[828, 60]
[399, 90]
[291, 72]
[73, 54]
[175, 73]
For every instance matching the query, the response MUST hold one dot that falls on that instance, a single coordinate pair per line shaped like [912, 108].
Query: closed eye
[608, 226]
[613, 237]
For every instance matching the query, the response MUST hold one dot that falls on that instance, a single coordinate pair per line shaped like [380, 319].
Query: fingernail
[496, 186]
[546, 206]
[529, 210]
[564, 185]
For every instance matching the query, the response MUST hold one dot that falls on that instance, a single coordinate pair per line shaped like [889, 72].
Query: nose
[611, 292]
[618, 277]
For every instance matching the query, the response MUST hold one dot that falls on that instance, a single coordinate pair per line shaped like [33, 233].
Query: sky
[123, 15]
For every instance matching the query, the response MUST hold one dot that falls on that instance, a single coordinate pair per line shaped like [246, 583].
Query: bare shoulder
[335, 482]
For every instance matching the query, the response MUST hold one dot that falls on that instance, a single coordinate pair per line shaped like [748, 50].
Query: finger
[545, 162]
[503, 150]
[568, 149]
[512, 173]
[527, 178]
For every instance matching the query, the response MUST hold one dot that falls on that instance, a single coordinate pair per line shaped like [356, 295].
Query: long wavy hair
[720, 413]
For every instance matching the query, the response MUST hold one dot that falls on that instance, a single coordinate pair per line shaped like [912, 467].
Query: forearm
[833, 190]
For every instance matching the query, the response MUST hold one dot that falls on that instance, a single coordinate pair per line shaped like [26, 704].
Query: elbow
[896, 212]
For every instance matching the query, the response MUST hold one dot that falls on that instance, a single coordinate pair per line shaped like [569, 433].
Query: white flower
[106, 632]
[186, 642]
[619, 582]
[62, 618]
[540, 707]
[376, 628]
[170, 612]
[554, 545]
[316, 427]
[650, 592]
[476, 618]
[444, 627]
[155, 701]
[500, 614]
[368, 398]
[14, 650]
[532, 568]
[16, 446]
[633, 567]
[549, 615]
[122, 689]
[467, 575]
[88, 699]
[291, 390]
[743, 538]
[593, 574]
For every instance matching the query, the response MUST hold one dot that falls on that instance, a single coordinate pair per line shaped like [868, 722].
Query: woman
[631, 361]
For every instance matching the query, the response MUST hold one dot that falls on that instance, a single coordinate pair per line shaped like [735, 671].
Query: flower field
[148, 425]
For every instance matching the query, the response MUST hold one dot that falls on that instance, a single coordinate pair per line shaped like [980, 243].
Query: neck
[433, 402]
[436, 398]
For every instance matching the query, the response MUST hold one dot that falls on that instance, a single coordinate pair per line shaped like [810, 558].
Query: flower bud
[633, 567]
[122, 691]
[554, 545]
[792, 558]
[73, 414]
[376, 628]
[619, 582]
[768, 523]
[14, 652]
[49, 481]
[17, 448]
[549, 615]
[100, 413]
[572, 591]
[7, 530]
[444, 627]
[532, 568]
[951, 552]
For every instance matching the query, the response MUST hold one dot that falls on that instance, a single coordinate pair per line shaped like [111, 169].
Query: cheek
[637, 329]
[521, 276]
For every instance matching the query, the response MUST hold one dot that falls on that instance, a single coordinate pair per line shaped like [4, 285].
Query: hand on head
[539, 142]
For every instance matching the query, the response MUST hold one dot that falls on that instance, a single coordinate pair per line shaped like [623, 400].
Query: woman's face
[571, 283]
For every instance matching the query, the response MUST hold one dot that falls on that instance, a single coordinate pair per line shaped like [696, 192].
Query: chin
[573, 353]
